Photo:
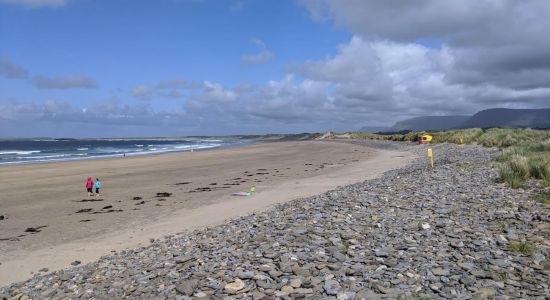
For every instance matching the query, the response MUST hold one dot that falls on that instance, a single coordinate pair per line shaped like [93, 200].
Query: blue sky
[184, 67]
[120, 46]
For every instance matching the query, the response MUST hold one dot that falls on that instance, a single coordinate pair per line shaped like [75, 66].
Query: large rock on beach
[235, 286]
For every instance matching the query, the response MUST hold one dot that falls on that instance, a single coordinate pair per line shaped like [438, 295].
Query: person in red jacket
[90, 186]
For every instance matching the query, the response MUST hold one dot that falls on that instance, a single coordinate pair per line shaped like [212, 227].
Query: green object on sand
[252, 190]
[242, 194]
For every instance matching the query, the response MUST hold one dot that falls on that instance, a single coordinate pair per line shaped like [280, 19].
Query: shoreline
[126, 155]
[196, 213]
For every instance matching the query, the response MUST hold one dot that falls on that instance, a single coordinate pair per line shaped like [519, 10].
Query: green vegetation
[493, 137]
[468, 136]
[543, 197]
[408, 137]
[525, 152]
[520, 162]
[523, 247]
[508, 175]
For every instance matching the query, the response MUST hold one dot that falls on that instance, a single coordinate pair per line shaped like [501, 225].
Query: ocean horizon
[42, 150]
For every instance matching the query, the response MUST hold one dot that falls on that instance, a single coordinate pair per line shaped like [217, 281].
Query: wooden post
[431, 156]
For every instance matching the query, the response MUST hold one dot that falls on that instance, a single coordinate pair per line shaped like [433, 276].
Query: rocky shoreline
[415, 233]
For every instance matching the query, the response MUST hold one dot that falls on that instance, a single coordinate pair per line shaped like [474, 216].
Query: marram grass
[523, 247]
[525, 152]
[508, 176]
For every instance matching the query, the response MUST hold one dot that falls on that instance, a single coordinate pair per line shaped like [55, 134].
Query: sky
[131, 68]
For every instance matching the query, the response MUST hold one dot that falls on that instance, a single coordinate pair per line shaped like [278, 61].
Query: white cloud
[261, 57]
[64, 82]
[491, 41]
[11, 70]
[101, 112]
[143, 91]
[165, 89]
[367, 82]
[482, 21]
[405, 59]
[478, 54]
[174, 84]
[237, 5]
[36, 3]
[214, 92]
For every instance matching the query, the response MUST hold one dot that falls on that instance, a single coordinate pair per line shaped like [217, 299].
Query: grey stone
[187, 287]
[440, 271]
[331, 287]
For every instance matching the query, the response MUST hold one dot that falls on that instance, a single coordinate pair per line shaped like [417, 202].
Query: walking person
[90, 186]
[97, 186]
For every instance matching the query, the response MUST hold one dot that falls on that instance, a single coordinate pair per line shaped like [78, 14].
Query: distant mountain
[430, 123]
[510, 118]
[374, 129]
[495, 117]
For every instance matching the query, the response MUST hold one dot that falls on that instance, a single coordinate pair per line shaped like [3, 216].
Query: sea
[20, 151]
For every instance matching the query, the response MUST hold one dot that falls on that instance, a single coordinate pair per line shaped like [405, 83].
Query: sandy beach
[50, 221]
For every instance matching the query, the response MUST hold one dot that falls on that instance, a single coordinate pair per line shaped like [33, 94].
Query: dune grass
[523, 247]
[408, 137]
[521, 162]
[493, 137]
[525, 153]
[468, 136]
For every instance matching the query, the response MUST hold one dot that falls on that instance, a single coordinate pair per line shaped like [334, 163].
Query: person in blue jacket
[97, 185]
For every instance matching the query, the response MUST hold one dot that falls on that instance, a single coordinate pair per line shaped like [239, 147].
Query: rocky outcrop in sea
[416, 233]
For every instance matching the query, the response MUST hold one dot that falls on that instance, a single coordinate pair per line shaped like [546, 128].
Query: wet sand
[51, 222]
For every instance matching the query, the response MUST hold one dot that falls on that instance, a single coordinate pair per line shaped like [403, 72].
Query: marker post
[431, 156]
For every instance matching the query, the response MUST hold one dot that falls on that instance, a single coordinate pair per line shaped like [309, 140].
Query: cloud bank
[173, 88]
[405, 59]
[64, 82]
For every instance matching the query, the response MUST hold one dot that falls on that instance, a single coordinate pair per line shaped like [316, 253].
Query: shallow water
[45, 150]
